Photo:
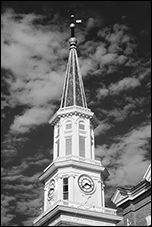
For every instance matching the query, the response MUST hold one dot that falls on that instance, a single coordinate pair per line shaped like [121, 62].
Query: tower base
[77, 215]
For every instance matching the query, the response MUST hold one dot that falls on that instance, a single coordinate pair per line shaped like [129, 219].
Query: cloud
[11, 146]
[124, 112]
[27, 202]
[18, 171]
[119, 114]
[34, 56]
[31, 118]
[124, 84]
[6, 217]
[90, 22]
[107, 59]
[86, 66]
[93, 22]
[28, 191]
[102, 128]
[115, 47]
[31, 208]
[125, 158]
[102, 92]
[115, 88]
[119, 37]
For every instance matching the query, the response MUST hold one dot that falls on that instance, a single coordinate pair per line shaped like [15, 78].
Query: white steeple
[74, 181]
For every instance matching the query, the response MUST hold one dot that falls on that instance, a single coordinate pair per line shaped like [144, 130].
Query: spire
[73, 90]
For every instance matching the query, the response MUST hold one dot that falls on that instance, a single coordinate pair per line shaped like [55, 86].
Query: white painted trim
[147, 175]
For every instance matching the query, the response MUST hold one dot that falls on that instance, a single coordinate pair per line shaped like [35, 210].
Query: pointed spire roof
[73, 90]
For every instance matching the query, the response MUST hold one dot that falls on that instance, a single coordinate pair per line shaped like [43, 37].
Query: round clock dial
[51, 189]
[86, 183]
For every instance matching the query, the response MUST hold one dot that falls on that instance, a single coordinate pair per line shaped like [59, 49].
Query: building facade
[135, 202]
[74, 181]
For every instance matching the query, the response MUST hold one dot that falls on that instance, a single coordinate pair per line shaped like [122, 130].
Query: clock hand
[86, 184]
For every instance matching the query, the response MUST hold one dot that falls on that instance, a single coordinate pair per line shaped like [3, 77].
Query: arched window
[68, 125]
[81, 125]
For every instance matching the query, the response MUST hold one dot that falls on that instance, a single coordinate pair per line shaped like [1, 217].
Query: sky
[115, 59]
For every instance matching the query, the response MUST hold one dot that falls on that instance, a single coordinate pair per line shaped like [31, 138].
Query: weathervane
[72, 25]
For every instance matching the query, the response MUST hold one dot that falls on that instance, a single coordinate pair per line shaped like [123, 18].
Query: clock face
[86, 183]
[51, 189]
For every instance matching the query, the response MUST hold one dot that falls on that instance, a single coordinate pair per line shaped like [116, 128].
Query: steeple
[73, 90]
[74, 181]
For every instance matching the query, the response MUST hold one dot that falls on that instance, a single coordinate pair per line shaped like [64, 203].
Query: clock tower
[74, 181]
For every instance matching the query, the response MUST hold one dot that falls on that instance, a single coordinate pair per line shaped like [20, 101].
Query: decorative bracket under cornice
[74, 110]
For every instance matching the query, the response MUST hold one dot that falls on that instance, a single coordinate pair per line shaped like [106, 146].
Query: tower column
[102, 194]
[75, 147]
[60, 187]
[92, 144]
[88, 147]
[99, 192]
[62, 141]
[71, 188]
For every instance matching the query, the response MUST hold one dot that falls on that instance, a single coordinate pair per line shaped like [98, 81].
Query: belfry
[74, 181]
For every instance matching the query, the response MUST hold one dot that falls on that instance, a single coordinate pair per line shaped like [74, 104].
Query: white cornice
[103, 214]
[76, 161]
[74, 110]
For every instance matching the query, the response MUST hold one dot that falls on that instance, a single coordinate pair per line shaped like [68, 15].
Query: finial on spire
[72, 25]
[73, 40]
